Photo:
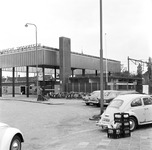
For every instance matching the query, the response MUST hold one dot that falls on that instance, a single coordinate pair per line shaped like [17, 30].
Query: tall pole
[36, 55]
[101, 62]
[106, 62]
[128, 65]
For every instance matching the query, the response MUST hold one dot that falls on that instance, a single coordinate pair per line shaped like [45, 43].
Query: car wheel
[133, 123]
[87, 103]
[98, 105]
[15, 143]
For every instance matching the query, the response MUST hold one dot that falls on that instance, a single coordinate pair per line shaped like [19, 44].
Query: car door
[148, 108]
[138, 109]
[93, 96]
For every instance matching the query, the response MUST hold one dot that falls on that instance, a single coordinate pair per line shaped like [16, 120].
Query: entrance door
[23, 89]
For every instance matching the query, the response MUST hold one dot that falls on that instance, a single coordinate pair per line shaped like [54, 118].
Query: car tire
[15, 143]
[133, 123]
[87, 104]
[98, 105]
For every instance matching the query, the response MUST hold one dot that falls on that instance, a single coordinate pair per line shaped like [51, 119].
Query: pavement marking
[104, 142]
[144, 137]
[49, 103]
[82, 145]
[61, 138]
[62, 147]
[85, 131]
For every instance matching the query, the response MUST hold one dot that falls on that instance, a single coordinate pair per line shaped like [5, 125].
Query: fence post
[85, 87]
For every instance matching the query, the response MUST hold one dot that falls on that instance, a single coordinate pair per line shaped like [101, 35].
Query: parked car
[10, 138]
[92, 97]
[86, 97]
[108, 96]
[139, 107]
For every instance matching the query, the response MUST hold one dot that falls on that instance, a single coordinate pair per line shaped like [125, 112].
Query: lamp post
[101, 62]
[26, 25]
[106, 63]
[97, 117]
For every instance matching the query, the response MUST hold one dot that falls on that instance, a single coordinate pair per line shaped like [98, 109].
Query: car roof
[111, 91]
[129, 92]
[95, 91]
[130, 97]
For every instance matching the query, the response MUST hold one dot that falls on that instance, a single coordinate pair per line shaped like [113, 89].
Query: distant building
[61, 59]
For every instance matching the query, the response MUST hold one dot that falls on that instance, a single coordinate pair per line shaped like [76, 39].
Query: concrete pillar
[96, 72]
[43, 71]
[72, 72]
[27, 81]
[65, 61]
[55, 74]
[83, 72]
[13, 82]
[0, 82]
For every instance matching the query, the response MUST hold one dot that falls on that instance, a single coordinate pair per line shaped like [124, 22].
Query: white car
[10, 138]
[139, 107]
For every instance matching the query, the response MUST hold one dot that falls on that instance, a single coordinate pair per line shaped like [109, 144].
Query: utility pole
[106, 63]
[101, 62]
[97, 117]
[138, 62]
[128, 65]
[135, 61]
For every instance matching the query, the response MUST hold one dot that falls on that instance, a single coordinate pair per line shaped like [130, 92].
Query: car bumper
[103, 126]
[93, 101]
[106, 104]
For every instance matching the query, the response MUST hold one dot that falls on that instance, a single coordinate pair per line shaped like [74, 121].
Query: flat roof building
[47, 57]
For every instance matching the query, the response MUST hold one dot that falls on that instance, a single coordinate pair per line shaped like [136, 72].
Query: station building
[64, 63]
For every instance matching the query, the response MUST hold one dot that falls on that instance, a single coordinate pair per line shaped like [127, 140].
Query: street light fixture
[26, 25]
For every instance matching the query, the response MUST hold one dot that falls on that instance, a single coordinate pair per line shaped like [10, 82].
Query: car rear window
[116, 103]
[95, 93]
[107, 93]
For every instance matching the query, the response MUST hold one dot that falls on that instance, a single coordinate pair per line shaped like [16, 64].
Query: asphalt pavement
[33, 99]
[140, 139]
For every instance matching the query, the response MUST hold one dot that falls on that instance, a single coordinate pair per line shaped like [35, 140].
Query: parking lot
[61, 124]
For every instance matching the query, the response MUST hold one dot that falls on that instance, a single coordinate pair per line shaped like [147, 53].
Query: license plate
[106, 120]
[105, 101]
[104, 127]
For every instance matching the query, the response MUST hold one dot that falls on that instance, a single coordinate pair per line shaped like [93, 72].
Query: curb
[40, 102]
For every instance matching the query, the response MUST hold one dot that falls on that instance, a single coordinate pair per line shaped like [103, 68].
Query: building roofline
[47, 47]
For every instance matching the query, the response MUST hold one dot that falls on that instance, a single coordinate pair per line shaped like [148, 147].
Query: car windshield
[116, 103]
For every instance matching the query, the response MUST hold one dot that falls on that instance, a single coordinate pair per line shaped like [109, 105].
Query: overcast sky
[127, 24]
